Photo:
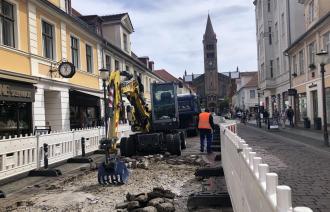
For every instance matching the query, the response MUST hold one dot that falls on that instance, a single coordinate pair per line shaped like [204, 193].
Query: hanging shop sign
[292, 92]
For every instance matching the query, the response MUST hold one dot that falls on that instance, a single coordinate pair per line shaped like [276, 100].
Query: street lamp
[322, 58]
[104, 75]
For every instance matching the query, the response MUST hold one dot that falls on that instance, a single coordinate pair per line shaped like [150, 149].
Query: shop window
[89, 58]
[48, 40]
[75, 51]
[7, 24]
[15, 118]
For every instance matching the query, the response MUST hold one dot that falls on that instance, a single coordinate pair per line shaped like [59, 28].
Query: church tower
[211, 68]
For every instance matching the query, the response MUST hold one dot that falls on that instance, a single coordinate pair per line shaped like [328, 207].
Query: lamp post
[322, 58]
[104, 74]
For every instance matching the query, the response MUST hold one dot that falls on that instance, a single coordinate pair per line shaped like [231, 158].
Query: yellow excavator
[156, 130]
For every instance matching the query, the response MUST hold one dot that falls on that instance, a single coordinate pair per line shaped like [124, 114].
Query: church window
[210, 55]
[210, 47]
[271, 69]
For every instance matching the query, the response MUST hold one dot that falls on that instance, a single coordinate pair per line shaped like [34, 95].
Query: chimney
[144, 60]
[152, 65]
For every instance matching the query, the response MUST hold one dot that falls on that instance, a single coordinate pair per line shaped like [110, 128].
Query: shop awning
[96, 94]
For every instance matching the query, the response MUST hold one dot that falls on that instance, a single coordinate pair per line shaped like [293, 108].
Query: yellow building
[36, 36]
[306, 77]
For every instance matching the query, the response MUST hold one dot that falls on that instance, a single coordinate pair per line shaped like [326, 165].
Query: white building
[278, 24]
[246, 96]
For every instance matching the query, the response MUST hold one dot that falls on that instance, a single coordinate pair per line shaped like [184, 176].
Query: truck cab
[165, 114]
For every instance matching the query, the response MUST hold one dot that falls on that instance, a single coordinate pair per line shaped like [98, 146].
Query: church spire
[209, 28]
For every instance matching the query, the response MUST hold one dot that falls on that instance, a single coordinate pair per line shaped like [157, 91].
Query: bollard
[45, 156]
[283, 198]
[83, 146]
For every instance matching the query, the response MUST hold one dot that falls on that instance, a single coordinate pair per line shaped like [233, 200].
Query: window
[125, 42]
[210, 55]
[127, 68]
[107, 62]
[268, 6]
[7, 23]
[270, 35]
[116, 65]
[75, 51]
[311, 53]
[262, 71]
[210, 47]
[301, 62]
[311, 12]
[276, 32]
[271, 69]
[294, 63]
[48, 40]
[278, 65]
[326, 41]
[275, 4]
[282, 24]
[252, 94]
[89, 58]
[68, 6]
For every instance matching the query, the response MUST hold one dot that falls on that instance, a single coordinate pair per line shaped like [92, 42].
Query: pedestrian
[283, 118]
[205, 126]
[290, 115]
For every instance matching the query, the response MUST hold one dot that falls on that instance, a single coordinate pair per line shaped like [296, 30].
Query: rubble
[159, 199]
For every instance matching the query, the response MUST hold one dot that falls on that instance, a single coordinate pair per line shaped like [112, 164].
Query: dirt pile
[158, 200]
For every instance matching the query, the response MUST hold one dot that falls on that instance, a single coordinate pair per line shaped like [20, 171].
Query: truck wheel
[123, 146]
[183, 139]
[127, 146]
[177, 144]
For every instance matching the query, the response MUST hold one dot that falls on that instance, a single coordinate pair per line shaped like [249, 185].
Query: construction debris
[159, 199]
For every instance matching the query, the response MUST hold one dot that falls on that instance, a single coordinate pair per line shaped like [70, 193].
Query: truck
[189, 109]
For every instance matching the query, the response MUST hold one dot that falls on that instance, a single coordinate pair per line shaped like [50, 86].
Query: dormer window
[125, 42]
[68, 6]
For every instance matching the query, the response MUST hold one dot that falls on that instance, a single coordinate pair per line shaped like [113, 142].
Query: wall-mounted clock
[66, 69]
[210, 63]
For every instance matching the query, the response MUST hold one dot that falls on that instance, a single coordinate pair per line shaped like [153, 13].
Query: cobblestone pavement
[304, 168]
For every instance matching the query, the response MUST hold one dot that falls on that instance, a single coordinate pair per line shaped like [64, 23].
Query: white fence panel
[20, 155]
[17, 155]
[250, 185]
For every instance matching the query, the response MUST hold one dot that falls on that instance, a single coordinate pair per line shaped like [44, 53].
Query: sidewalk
[307, 136]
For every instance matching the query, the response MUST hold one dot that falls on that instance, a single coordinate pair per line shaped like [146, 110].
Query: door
[314, 104]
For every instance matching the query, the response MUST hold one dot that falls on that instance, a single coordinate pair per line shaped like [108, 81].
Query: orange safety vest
[204, 121]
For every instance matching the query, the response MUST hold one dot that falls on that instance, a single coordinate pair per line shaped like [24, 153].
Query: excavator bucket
[112, 171]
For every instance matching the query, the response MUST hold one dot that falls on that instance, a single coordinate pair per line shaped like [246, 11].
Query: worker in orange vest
[205, 126]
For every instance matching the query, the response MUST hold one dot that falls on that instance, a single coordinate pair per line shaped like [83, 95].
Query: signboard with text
[18, 92]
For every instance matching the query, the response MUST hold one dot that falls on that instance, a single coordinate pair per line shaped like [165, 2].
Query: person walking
[283, 118]
[290, 114]
[205, 126]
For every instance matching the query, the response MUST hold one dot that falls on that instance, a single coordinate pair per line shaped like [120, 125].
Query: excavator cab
[164, 103]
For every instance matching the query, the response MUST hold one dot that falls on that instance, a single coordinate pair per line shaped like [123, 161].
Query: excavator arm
[131, 88]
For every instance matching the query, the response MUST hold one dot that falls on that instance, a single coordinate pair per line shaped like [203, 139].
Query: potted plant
[312, 66]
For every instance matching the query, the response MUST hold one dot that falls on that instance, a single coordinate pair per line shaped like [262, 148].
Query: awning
[97, 94]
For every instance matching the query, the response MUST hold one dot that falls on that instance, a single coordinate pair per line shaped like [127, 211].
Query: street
[79, 190]
[303, 167]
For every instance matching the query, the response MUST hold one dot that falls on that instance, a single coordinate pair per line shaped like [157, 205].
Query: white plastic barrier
[20, 155]
[251, 187]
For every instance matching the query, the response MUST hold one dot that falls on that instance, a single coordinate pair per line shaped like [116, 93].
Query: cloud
[171, 32]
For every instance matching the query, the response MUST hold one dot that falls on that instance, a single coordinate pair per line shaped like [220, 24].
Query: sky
[170, 32]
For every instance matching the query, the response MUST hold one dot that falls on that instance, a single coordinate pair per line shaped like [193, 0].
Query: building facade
[306, 77]
[36, 36]
[246, 96]
[278, 24]
[167, 77]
